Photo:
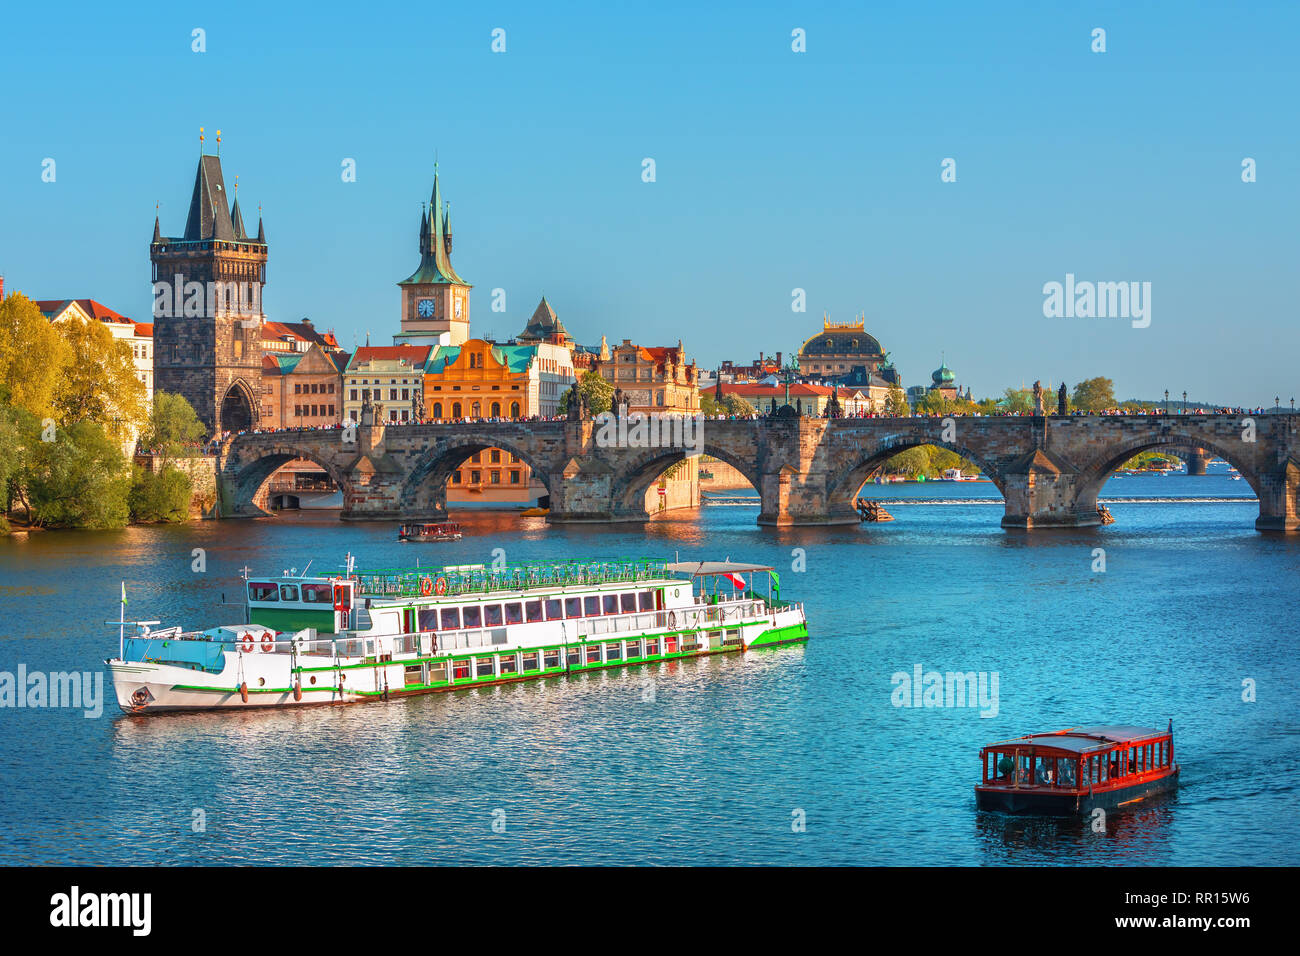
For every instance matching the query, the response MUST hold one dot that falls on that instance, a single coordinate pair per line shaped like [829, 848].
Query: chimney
[2, 288]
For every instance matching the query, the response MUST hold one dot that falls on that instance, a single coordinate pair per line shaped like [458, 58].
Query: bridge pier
[1197, 462]
[1279, 500]
[1041, 492]
[788, 499]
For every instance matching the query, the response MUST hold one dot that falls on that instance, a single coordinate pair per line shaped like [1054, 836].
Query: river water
[793, 755]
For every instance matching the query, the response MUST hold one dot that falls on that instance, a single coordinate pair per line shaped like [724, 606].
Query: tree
[159, 496]
[173, 426]
[1019, 400]
[598, 393]
[78, 480]
[32, 356]
[896, 403]
[1094, 395]
[100, 383]
[912, 462]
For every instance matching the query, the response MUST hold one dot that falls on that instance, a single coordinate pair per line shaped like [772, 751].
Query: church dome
[943, 375]
[849, 339]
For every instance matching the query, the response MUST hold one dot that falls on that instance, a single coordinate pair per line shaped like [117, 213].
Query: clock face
[425, 308]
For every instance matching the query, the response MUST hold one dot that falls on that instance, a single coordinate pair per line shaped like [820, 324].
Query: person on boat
[1006, 767]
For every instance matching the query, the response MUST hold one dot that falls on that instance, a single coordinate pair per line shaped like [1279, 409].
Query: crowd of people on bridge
[220, 440]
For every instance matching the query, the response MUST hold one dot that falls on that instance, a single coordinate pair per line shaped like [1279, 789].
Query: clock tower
[435, 300]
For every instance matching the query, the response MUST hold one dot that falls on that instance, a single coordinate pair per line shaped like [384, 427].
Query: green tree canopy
[1094, 395]
[173, 426]
[1018, 400]
[78, 480]
[159, 496]
[730, 405]
[99, 383]
[598, 393]
[896, 403]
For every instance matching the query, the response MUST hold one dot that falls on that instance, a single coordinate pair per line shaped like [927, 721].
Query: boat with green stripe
[372, 635]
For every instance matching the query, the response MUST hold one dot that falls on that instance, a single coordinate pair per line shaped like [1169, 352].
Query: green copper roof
[435, 263]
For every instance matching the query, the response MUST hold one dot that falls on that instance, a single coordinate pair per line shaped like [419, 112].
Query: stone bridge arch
[424, 491]
[637, 470]
[249, 465]
[847, 479]
[1094, 475]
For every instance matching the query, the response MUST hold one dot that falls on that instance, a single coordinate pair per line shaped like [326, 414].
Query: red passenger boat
[1077, 770]
[429, 531]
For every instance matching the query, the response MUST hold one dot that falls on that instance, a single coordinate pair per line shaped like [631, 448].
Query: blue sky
[775, 171]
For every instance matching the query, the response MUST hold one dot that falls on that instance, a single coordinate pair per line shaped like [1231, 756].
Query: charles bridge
[807, 471]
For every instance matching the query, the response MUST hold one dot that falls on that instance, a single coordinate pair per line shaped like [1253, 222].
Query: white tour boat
[371, 635]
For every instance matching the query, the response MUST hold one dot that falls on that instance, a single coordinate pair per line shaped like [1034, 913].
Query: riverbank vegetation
[70, 402]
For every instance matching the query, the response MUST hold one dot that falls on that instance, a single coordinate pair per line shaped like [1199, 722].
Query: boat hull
[1066, 803]
[256, 681]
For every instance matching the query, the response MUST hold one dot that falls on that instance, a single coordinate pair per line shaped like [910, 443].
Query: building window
[496, 409]
[514, 477]
[514, 409]
[352, 395]
[437, 410]
[495, 455]
[496, 477]
[475, 477]
[455, 410]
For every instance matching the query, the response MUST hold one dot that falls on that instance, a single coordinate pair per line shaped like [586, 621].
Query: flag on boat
[124, 593]
[776, 582]
[735, 579]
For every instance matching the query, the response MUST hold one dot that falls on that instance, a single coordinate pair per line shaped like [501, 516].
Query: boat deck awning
[1082, 739]
[700, 569]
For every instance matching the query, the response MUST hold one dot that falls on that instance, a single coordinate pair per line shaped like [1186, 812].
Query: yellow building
[653, 380]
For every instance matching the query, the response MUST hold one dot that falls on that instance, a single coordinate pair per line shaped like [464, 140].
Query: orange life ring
[268, 643]
[243, 692]
[248, 642]
[440, 586]
[426, 586]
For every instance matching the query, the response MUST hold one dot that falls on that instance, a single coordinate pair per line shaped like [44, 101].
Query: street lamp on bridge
[1166, 401]
[1184, 401]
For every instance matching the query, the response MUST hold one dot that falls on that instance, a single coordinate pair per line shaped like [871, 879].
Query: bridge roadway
[807, 471]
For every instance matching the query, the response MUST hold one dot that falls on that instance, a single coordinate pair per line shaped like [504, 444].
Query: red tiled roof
[414, 354]
[144, 329]
[96, 310]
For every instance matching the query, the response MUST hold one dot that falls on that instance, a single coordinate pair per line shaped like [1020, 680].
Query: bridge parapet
[807, 471]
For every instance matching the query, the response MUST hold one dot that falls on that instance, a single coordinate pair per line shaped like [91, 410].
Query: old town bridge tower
[207, 287]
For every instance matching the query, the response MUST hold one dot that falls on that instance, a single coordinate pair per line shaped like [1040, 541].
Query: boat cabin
[429, 531]
[293, 603]
[1076, 769]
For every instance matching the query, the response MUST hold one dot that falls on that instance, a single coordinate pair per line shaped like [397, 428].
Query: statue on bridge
[579, 409]
[1038, 398]
[1061, 400]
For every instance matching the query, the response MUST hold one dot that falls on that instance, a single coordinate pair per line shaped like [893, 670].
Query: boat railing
[307, 644]
[411, 582]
